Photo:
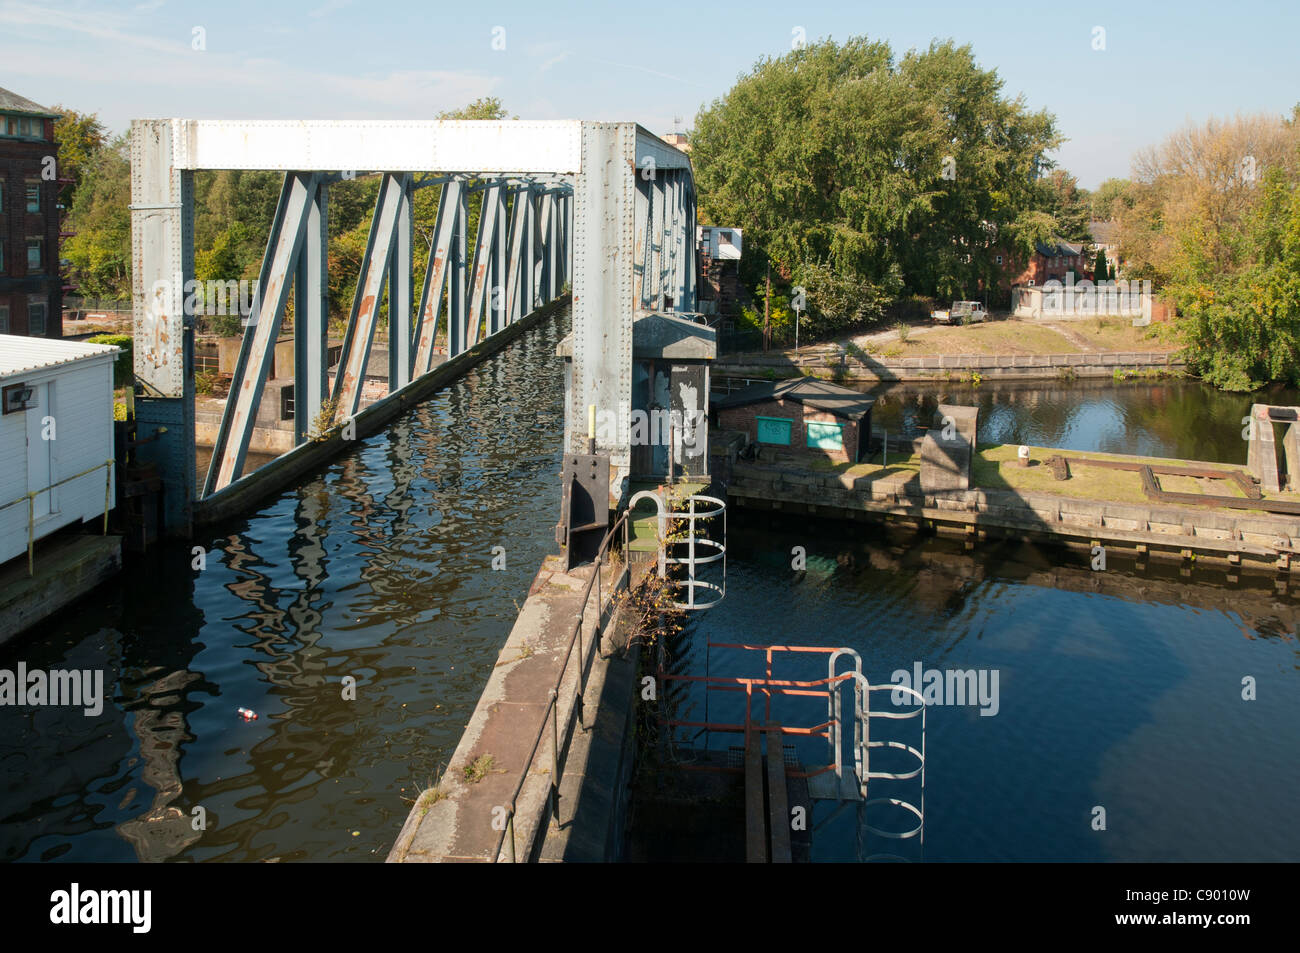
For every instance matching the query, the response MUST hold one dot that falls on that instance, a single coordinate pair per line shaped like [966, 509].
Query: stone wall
[1258, 537]
[864, 367]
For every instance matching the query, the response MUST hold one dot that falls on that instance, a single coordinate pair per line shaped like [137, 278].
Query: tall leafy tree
[1068, 204]
[1214, 223]
[99, 249]
[1110, 199]
[851, 169]
[80, 137]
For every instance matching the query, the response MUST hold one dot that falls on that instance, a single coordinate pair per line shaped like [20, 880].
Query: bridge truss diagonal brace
[520, 255]
[446, 264]
[311, 318]
[298, 196]
[392, 213]
[485, 265]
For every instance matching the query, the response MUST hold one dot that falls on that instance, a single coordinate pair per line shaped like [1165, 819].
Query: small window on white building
[999, 259]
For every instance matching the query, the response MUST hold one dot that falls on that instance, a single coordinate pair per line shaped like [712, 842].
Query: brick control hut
[801, 414]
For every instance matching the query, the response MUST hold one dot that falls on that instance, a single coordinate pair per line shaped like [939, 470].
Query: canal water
[379, 569]
[1118, 691]
[1182, 419]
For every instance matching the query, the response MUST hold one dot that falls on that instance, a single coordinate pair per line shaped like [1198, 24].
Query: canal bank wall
[857, 365]
[65, 568]
[1240, 541]
[292, 467]
[560, 697]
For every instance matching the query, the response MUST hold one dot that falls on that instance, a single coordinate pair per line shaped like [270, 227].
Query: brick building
[31, 291]
[718, 260]
[802, 414]
[1051, 260]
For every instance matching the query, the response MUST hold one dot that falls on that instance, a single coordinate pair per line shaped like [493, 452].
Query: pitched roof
[11, 102]
[19, 354]
[1058, 248]
[657, 334]
[1103, 233]
[810, 391]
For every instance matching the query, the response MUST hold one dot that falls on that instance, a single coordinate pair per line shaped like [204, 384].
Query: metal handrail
[552, 713]
[31, 496]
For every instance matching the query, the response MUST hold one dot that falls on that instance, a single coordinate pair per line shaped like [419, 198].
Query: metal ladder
[714, 550]
[856, 789]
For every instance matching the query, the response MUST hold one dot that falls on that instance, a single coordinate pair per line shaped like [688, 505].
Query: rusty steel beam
[500, 254]
[1151, 487]
[370, 290]
[520, 265]
[445, 232]
[311, 319]
[297, 197]
[480, 295]
[400, 355]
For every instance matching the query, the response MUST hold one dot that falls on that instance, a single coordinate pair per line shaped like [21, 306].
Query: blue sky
[651, 62]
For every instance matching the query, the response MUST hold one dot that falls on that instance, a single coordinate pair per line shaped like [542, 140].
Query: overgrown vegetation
[1212, 217]
[123, 367]
[479, 768]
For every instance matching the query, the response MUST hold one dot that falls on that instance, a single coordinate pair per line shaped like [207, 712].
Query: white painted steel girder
[536, 231]
[444, 145]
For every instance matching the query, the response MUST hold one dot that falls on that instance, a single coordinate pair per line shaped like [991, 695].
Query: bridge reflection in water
[1118, 689]
[378, 568]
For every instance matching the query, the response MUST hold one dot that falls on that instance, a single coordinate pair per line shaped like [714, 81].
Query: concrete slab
[466, 819]
[66, 568]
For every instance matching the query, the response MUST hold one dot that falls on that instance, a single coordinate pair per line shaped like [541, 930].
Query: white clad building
[57, 422]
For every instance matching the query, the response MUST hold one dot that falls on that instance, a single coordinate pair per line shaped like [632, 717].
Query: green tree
[1100, 268]
[1110, 198]
[1069, 205]
[485, 107]
[861, 177]
[1243, 325]
[80, 137]
[100, 248]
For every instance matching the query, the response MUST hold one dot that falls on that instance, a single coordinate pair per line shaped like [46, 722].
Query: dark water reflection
[377, 568]
[1115, 689]
[1182, 419]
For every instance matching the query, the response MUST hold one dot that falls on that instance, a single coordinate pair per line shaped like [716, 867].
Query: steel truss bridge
[608, 207]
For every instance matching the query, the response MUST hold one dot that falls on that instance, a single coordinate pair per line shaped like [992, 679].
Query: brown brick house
[803, 414]
[1051, 260]
[31, 291]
